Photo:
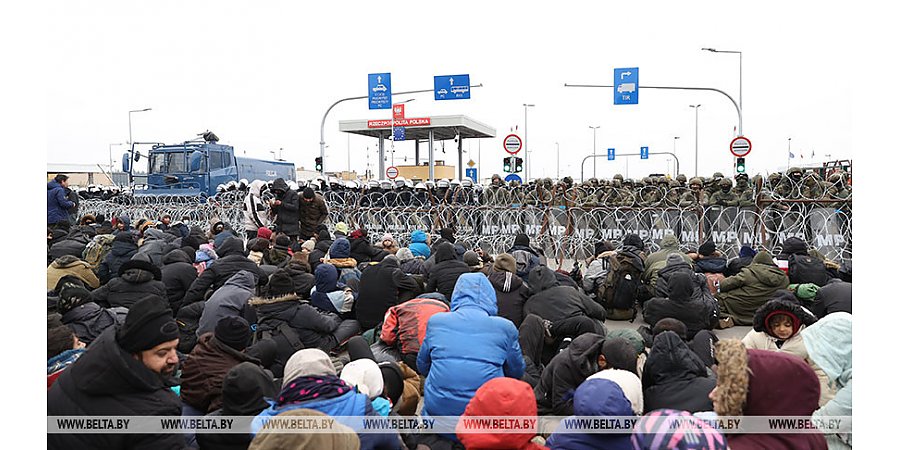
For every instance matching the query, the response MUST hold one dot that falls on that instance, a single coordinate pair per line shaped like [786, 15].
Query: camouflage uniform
[837, 189]
[744, 191]
[724, 196]
[696, 197]
[650, 194]
[671, 197]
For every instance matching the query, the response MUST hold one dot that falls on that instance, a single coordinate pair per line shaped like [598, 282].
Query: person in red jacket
[404, 324]
[500, 397]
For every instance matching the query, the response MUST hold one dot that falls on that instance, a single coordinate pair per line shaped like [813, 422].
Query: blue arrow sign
[380, 91]
[451, 87]
[625, 84]
[399, 134]
[645, 152]
[472, 172]
[610, 154]
[513, 177]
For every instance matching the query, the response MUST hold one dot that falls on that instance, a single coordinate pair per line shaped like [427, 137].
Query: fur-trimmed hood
[802, 315]
[342, 263]
[763, 383]
[260, 301]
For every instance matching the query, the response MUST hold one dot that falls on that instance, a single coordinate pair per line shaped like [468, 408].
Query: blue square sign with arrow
[611, 154]
[451, 87]
[645, 152]
[380, 90]
[625, 85]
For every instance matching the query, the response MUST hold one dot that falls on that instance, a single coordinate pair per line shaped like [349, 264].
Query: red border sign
[506, 147]
[392, 170]
[749, 146]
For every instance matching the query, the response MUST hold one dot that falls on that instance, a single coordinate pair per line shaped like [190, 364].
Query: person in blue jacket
[419, 245]
[467, 347]
[311, 382]
[598, 398]
[58, 203]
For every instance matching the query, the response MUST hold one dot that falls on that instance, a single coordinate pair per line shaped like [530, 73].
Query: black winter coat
[415, 266]
[318, 253]
[303, 281]
[89, 320]
[363, 252]
[125, 290]
[674, 377]
[188, 320]
[178, 273]
[682, 304]
[380, 288]
[231, 261]
[74, 244]
[287, 215]
[511, 296]
[835, 296]
[120, 253]
[313, 327]
[446, 270]
[554, 302]
[156, 245]
[710, 264]
[109, 381]
[736, 264]
[555, 392]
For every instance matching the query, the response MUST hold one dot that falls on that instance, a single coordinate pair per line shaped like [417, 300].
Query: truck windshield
[168, 162]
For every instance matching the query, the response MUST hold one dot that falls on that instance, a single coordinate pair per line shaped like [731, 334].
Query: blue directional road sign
[472, 172]
[451, 87]
[626, 86]
[399, 133]
[645, 152]
[610, 154]
[380, 90]
[513, 177]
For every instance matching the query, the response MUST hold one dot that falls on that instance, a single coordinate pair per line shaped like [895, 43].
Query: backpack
[188, 320]
[621, 288]
[807, 269]
[96, 250]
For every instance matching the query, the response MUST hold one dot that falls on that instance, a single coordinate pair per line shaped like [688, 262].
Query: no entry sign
[512, 144]
[392, 172]
[740, 146]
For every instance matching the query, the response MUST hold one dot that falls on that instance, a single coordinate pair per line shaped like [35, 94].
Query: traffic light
[318, 164]
[518, 164]
[507, 164]
[740, 166]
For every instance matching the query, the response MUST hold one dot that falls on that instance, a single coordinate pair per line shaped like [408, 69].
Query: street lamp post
[525, 144]
[789, 155]
[595, 148]
[696, 138]
[131, 142]
[740, 74]
[674, 141]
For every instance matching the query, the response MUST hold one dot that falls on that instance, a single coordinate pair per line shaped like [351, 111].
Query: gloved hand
[807, 291]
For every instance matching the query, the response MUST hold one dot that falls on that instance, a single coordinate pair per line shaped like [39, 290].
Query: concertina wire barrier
[565, 226]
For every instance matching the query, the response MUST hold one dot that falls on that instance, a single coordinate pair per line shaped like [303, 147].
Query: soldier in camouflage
[695, 197]
[724, 196]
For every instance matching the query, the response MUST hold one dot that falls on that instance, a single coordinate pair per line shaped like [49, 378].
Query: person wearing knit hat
[211, 359]
[504, 262]
[264, 233]
[658, 430]
[246, 391]
[526, 257]
[71, 296]
[473, 261]
[389, 244]
[127, 372]
[137, 278]
[744, 258]
[707, 249]
[341, 228]
[637, 342]
[308, 245]
[280, 252]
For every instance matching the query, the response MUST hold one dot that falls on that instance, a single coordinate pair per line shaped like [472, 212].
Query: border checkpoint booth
[421, 129]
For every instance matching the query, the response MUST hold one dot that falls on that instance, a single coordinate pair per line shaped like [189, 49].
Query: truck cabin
[189, 168]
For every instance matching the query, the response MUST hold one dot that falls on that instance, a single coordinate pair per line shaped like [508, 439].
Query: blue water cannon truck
[197, 167]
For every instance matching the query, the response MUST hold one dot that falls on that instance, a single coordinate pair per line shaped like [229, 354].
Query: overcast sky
[261, 77]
